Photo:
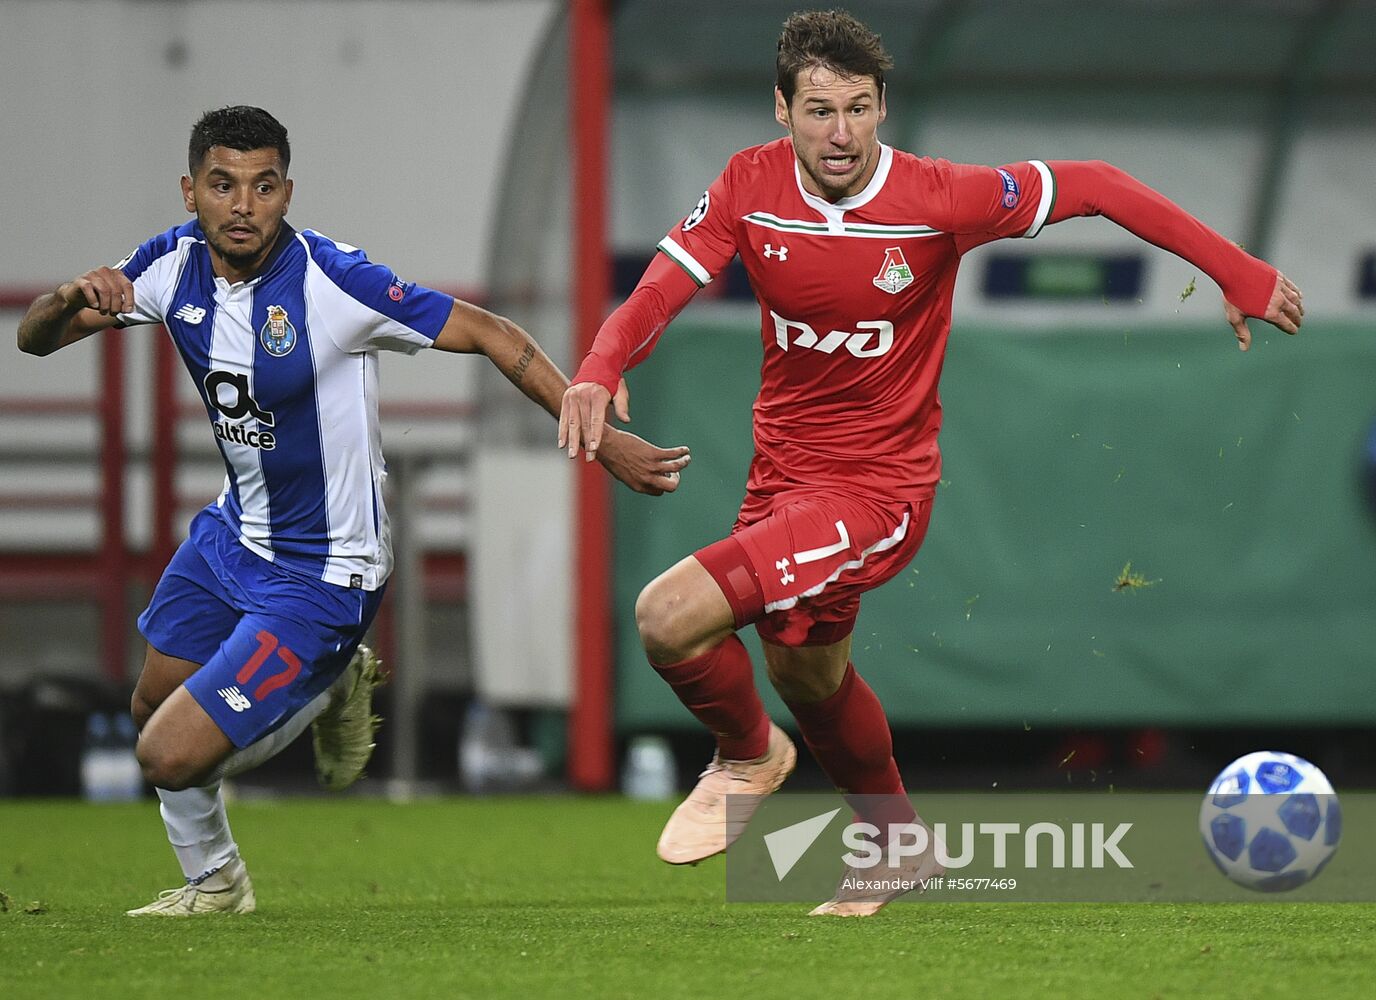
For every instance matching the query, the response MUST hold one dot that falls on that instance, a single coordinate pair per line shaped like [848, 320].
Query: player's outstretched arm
[1251, 287]
[642, 466]
[77, 309]
[473, 330]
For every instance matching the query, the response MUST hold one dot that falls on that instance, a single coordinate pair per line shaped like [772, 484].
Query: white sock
[198, 829]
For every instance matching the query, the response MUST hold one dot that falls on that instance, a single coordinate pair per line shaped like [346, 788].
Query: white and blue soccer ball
[1271, 821]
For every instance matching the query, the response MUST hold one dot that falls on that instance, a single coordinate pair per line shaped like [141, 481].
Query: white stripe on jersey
[232, 351]
[685, 260]
[871, 230]
[1048, 196]
[157, 280]
[350, 432]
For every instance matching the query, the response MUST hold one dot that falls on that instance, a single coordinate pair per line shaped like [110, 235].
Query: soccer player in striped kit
[852, 248]
[254, 629]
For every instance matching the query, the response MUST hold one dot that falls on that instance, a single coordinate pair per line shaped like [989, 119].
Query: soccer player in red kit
[852, 249]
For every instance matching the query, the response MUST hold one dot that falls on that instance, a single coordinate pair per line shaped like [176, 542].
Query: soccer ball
[1270, 821]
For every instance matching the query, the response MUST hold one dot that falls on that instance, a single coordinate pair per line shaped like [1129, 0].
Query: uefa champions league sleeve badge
[277, 335]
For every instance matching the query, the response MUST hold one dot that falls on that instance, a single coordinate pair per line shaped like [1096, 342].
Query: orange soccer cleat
[699, 827]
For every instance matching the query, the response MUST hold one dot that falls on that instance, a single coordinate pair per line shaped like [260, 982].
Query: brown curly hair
[833, 39]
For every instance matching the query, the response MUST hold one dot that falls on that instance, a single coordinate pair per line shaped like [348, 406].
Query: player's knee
[163, 767]
[659, 622]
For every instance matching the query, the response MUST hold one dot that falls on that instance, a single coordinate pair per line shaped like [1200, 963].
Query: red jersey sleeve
[631, 332]
[1097, 188]
[991, 202]
[691, 255]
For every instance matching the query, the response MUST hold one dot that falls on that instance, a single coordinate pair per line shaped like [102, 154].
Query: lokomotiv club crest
[894, 273]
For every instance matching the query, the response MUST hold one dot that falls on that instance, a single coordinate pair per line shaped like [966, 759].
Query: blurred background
[528, 155]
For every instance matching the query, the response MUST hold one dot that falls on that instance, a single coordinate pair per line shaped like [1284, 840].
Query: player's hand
[1285, 311]
[582, 416]
[642, 466]
[106, 290]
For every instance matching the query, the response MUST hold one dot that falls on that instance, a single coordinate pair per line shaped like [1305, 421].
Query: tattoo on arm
[519, 371]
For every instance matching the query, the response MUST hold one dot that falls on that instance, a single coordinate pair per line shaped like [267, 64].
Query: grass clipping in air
[1128, 580]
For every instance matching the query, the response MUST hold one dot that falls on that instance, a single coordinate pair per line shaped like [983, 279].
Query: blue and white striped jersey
[286, 364]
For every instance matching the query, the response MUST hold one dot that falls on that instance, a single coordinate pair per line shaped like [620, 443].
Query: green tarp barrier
[1229, 481]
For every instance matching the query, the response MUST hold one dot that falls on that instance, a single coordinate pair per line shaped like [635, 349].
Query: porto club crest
[278, 336]
[894, 274]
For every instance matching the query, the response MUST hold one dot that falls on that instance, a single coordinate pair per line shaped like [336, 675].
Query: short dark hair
[238, 127]
[830, 38]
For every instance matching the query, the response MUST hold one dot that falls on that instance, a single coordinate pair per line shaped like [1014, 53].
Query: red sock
[719, 688]
[849, 735]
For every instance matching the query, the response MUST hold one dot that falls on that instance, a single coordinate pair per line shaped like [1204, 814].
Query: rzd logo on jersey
[873, 338]
[894, 274]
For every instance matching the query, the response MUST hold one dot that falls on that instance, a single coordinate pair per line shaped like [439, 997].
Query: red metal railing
[104, 579]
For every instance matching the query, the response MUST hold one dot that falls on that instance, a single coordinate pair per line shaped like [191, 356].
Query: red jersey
[855, 297]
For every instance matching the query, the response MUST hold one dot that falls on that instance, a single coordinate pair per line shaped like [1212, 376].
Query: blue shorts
[268, 639]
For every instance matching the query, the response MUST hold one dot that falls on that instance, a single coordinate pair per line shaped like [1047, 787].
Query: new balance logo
[235, 699]
[781, 253]
[190, 314]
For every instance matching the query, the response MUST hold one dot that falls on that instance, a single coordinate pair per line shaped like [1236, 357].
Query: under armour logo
[190, 314]
[235, 699]
[786, 578]
[781, 253]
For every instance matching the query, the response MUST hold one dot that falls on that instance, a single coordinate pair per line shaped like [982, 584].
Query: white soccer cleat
[343, 734]
[699, 827]
[196, 900]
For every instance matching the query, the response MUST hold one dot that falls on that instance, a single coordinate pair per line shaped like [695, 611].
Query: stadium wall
[1229, 482]
[399, 112]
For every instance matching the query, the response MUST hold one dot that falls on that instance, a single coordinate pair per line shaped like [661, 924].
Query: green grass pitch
[563, 897]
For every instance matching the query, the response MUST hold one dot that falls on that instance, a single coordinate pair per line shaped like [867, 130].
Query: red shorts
[811, 555]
